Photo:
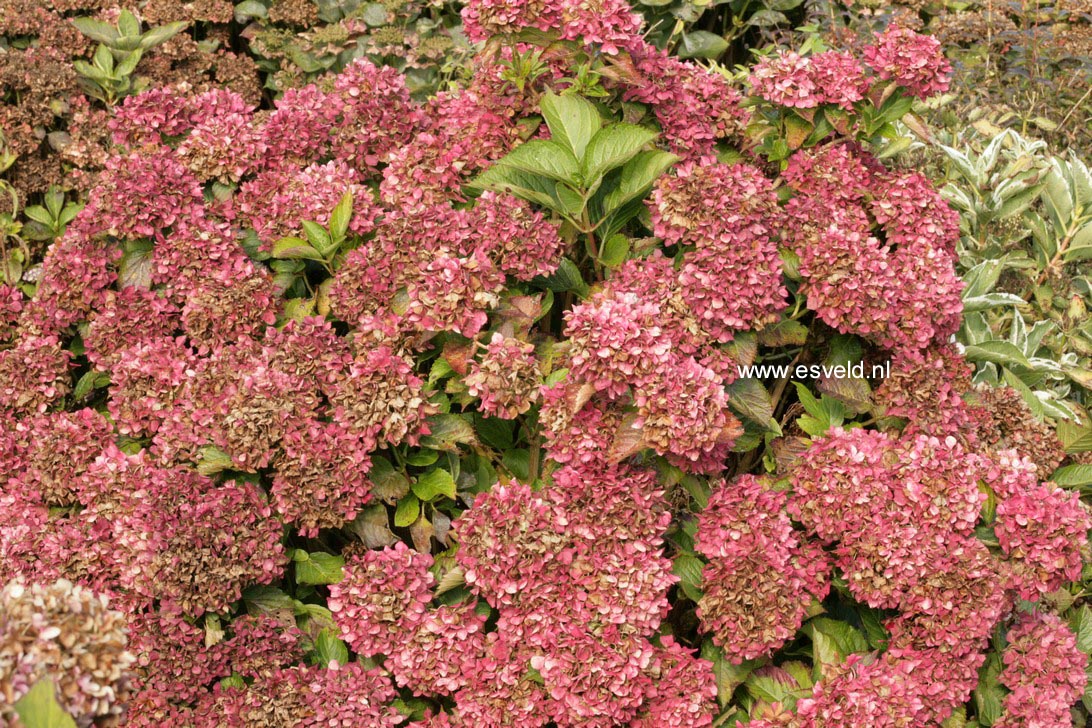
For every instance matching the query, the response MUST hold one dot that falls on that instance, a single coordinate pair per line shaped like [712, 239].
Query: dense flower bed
[508, 322]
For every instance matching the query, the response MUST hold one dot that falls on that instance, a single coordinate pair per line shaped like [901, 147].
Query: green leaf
[688, 568]
[982, 278]
[328, 648]
[1075, 437]
[291, 248]
[316, 235]
[518, 463]
[615, 251]
[727, 675]
[567, 277]
[162, 34]
[525, 185]
[701, 44]
[636, 178]
[495, 432]
[433, 484]
[1080, 621]
[544, 157]
[264, 599]
[39, 708]
[96, 30]
[340, 217]
[990, 300]
[128, 24]
[135, 269]
[1073, 476]
[612, 147]
[409, 508]
[448, 431]
[832, 640]
[988, 695]
[248, 9]
[749, 398]
[319, 568]
[573, 121]
[998, 352]
[797, 130]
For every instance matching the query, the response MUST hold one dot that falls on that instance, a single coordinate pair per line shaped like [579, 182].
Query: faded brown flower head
[68, 634]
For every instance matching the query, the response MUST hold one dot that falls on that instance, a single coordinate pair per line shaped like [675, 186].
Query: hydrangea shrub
[373, 411]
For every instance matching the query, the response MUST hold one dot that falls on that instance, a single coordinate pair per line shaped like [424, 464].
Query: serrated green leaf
[749, 398]
[448, 431]
[612, 147]
[567, 277]
[615, 251]
[525, 185]
[1080, 621]
[433, 484]
[407, 511]
[316, 235]
[832, 640]
[320, 568]
[544, 157]
[635, 179]
[1073, 476]
[573, 121]
[727, 675]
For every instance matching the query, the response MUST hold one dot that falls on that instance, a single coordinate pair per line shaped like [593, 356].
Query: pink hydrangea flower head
[383, 596]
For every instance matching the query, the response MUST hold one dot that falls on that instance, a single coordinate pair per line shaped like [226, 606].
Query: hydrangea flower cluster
[1044, 671]
[762, 575]
[65, 633]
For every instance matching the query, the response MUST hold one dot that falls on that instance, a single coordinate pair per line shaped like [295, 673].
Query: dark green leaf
[702, 44]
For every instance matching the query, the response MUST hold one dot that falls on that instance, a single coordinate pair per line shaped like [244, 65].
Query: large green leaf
[39, 708]
[702, 44]
[544, 157]
[318, 568]
[573, 121]
[612, 147]
[1073, 476]
[525, 185]
[433, 484]
[634, 180]
[96, 30]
